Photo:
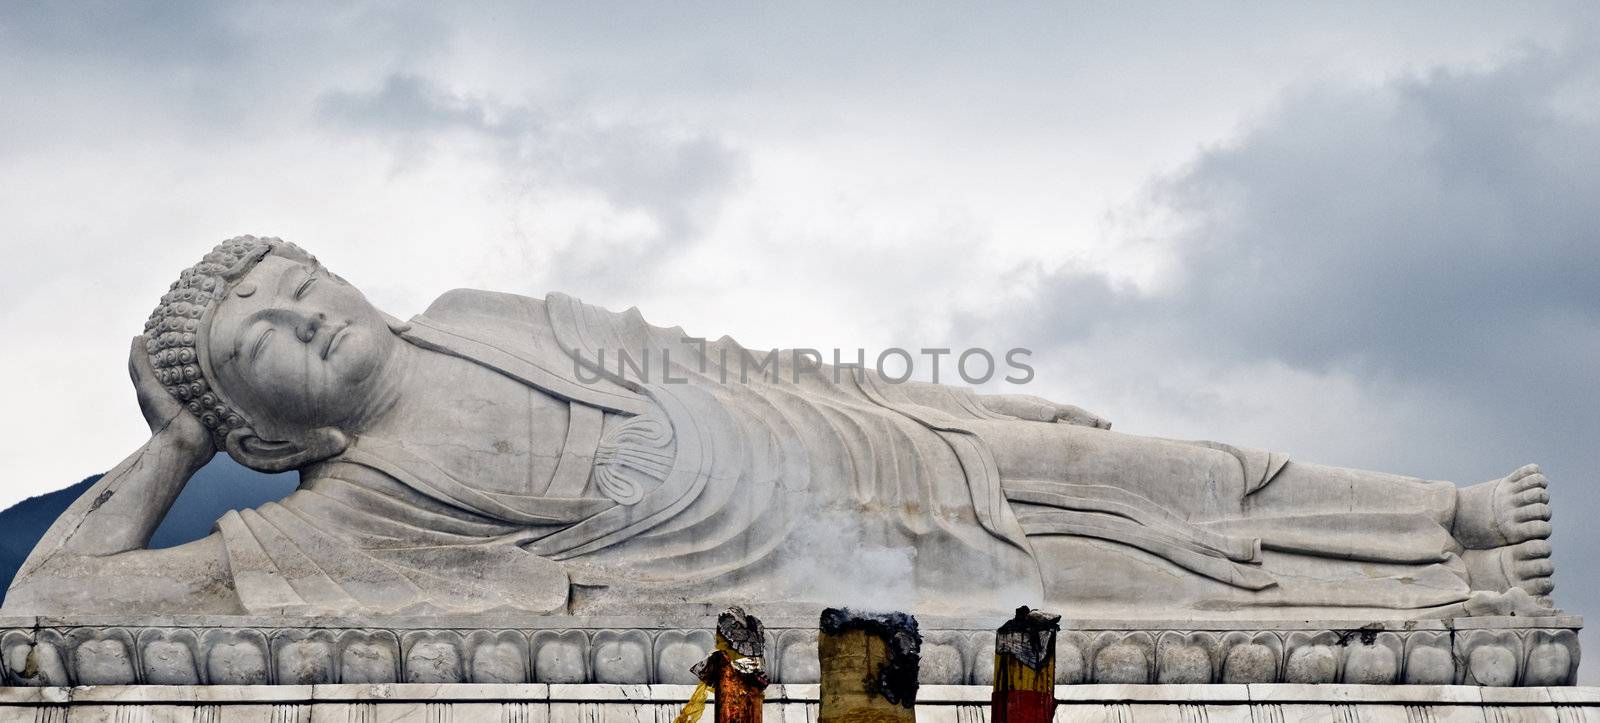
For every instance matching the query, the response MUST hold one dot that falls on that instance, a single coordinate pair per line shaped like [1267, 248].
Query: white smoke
[839, 564]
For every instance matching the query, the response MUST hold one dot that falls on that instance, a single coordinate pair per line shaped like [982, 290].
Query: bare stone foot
[1524, 566]
[1503, 512]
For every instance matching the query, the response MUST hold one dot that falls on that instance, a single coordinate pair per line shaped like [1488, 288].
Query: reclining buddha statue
[485, 456]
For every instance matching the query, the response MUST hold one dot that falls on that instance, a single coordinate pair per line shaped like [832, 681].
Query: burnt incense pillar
[869, 666]
[735, 670]
[1025, 668]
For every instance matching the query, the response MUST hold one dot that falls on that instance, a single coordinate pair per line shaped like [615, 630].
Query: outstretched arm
[1039, 409]
[122, 510]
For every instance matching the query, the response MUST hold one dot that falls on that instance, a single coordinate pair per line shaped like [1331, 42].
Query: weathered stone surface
[433, 657]
[1552, 658]
[1372, 659]
[304, 657]
[1250, 658]
[500, 452]
[560, 657]
[943, 660]
[498, 657]
[1123, 658]
[1492, 657]
[236, 658]
[102, 657]
[1072, 658]
[364, 659]
[1311, 663]
[797, 653]
[1429, 659]
[169, 660]
[979, 642]
[679, 650]
[1184, 664]
[621, 656]
[1186, 658]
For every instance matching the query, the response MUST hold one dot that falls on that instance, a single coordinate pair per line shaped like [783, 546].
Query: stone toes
[1528, 513]
[1532, 550]
[1536, 495]
[1529, 569]
[1539, 586]
[1530, 482]
[1534, 530]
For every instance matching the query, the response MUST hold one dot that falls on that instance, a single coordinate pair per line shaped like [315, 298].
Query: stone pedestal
[559, 703]
[230, 650]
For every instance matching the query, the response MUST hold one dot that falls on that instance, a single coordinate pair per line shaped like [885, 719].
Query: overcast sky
[1364, 234]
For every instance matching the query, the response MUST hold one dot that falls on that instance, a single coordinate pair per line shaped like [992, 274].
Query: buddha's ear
[281, 456]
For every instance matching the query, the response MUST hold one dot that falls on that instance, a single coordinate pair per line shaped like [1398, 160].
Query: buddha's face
[297, 347]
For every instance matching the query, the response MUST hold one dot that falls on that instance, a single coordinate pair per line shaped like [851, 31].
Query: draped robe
[695, 472]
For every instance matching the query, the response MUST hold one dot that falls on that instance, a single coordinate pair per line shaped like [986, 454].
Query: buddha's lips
[333, 340]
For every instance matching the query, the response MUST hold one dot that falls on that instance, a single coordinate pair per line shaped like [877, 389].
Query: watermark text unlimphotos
[723, 364]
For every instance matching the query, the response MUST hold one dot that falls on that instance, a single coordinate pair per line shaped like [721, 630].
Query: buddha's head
[275, 355]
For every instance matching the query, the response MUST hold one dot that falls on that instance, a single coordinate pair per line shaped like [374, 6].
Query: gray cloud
[155, 35]
[209, 71]
[1440, 230]
[677, 178]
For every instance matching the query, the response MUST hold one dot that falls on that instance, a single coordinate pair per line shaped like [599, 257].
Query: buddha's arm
[121, 511]
[92, 559]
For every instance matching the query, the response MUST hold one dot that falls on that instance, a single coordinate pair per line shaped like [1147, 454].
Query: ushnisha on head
[278, 358]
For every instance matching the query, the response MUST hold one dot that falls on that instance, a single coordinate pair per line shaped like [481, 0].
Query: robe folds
[697, 472]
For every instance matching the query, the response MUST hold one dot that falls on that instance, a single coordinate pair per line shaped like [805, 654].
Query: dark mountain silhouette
[218, 487]
[22, 524]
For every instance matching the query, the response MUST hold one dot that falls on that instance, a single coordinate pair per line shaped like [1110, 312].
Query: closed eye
[261, 341]
[304, 285]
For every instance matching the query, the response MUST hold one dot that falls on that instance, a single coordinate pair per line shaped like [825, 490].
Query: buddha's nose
[307, 330]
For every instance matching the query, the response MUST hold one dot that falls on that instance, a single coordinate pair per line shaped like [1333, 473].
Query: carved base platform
[228, 650]
[592, 703]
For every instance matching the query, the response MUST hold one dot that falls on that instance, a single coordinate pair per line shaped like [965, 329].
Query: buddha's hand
[170, 423]
[1069, 414]
[1039, 409]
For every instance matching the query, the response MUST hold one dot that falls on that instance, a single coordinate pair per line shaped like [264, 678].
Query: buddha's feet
[1524, 566]
[1504, 512]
